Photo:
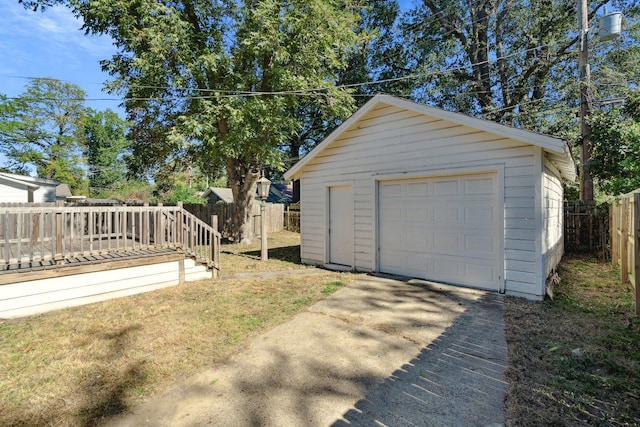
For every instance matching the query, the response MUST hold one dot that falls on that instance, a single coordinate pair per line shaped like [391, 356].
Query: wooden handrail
[201, 241]
[30, 236]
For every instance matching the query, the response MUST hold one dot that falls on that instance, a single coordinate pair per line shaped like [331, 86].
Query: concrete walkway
[379, 352]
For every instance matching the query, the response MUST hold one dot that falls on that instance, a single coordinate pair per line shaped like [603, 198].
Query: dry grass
[81, 365]
[575, 360]
[284, 254]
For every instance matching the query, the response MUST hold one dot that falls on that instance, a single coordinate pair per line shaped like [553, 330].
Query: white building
[408, 189]
[26, 189]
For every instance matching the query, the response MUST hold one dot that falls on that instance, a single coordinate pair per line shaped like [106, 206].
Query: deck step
[194, 270]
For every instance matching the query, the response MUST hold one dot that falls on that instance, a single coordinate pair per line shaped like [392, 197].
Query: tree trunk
[243, 181]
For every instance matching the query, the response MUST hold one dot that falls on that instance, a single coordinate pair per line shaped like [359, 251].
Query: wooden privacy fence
[32, 236]
[274, 215]
[292, 218]
[625, 240]
[586, 228]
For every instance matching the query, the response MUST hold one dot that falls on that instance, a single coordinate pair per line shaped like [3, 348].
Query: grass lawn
[572, 361]
[284, 254]
[80, 365]
[576, 360]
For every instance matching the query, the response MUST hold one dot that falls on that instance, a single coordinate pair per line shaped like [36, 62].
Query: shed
[278, 193]
[218, 194]
[408, 189]
[26, 189]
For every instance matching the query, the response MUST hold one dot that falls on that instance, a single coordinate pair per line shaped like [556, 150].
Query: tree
[221, 80]
[367, 62]
[106, 147]
[509, 61]
[615, 141]
[174, 184]
[39, 128]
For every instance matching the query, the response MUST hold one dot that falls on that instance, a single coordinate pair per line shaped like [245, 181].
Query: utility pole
[586, 181]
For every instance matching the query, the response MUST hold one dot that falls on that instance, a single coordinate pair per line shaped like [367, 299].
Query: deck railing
[33, 236]
[201, 240]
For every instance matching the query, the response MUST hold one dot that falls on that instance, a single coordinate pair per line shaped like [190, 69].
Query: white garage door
[443, 229]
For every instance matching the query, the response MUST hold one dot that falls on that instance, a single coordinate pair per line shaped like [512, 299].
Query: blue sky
[50, 44]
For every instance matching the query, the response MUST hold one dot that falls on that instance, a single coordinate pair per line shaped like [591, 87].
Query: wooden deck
[56, 256]
[56, 237]
[33, 270]
[41, 291]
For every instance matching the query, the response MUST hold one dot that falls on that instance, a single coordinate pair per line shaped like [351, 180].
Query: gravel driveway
[378, 352]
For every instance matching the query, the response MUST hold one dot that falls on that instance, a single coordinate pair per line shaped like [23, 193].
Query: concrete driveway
[379, 352]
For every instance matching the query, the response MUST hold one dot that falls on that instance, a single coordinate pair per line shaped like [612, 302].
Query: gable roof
[63, 191]
[28, 182]
[556, 148]
[280, 193]
[224, 194]
[17, 183]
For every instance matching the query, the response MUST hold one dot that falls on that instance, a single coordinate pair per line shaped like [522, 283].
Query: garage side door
[443, 229]
[341, 225]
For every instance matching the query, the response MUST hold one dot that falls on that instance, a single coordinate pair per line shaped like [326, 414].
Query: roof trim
[548, 143]
[19, 182]
[225, 194]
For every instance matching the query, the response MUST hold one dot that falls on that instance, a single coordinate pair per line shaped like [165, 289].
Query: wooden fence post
[214, 222]
[613, 232]
[143, 225]
[624, 241]
[179, 225]
[181, 274]
[636, 250]
[125, 224]
[214, 247]
[58, 252]
[158, 224]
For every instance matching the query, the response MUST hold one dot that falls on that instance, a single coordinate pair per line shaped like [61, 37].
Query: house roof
[63, 191]
[30, 179]
[224, 194]
[280, 193]
[556, 149]
[17, 182]
[28, 182]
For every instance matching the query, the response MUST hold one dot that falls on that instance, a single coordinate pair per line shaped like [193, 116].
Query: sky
[51, 44]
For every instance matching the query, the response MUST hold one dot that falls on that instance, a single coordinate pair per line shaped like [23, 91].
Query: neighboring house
[218, 194]
[278, 193]
[26, 189]
[63, 192]
[409, 189]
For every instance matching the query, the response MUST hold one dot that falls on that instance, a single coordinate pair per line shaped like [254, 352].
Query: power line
[321, 91]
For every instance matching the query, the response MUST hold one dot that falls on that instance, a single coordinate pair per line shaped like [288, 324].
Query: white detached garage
[409, 189]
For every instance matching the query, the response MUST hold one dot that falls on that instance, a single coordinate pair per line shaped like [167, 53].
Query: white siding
[13, 193]
[44, 194]
[553, 247]
[38, 296]
[389, 142]
[17, 192]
